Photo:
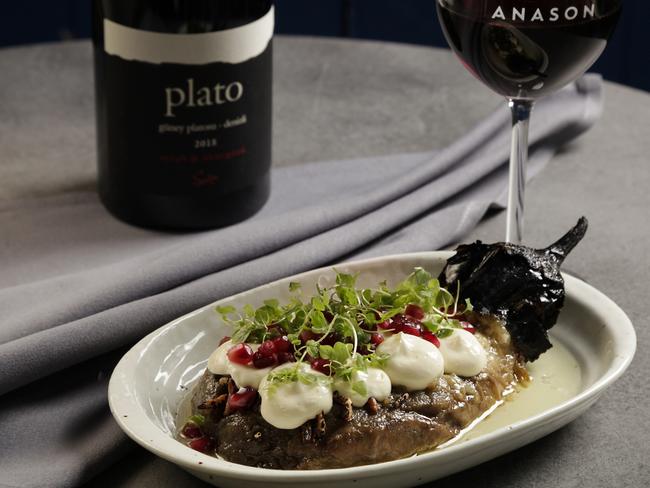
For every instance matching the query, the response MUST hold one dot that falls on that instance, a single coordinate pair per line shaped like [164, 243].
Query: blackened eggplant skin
[521, 285]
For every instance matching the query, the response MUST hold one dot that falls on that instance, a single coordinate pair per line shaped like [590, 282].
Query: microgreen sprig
[346, 316]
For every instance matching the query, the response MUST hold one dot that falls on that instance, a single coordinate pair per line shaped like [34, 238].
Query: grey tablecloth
[108, 277]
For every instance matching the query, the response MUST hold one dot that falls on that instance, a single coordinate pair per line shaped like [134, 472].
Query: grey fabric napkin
[66, 318]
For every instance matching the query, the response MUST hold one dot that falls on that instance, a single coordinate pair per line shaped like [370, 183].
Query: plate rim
[134, 422]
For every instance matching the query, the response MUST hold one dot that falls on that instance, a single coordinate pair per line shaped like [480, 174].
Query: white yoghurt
[377, 383]
[292, 404]
[463, 353]
[413, 362]
[243, 375]
[218, 360]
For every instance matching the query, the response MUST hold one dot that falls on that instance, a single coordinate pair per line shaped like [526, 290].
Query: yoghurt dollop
[463, 354]
[243, 375]
[291, 404]
[413, 362]
[377, 385]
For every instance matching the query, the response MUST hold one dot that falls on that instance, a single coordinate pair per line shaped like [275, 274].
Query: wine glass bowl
[524, 51]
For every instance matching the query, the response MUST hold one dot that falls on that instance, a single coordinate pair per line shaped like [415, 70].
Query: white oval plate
[152, 379]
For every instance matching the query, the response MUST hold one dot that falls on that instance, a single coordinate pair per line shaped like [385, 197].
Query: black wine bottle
[183, 102]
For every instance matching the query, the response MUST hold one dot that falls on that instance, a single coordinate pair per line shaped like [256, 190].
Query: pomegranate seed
[321, 365]
[282, 344]
[224, 340]
[402, 323]
[411, 329]
[244, 398]
[191, 431]
[399, 319]
[267, 348]
[376, 339]
[328, 316]
[414, 311]
[260, 361]
[286, 357]
[468, 327]
[308, 335]
[386, 325]
[202, 444]
[240, 354]
[432, 338]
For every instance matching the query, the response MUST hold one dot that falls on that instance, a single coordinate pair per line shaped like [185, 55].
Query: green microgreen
[197, 420]
[292, 374]
[343, 315]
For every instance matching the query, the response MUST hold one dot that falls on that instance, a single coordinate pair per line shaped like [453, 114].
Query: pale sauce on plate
[555, 378]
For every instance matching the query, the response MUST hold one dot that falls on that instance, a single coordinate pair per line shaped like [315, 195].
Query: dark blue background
[627, 59]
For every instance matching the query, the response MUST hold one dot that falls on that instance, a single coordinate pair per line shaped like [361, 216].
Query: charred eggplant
[521, 285]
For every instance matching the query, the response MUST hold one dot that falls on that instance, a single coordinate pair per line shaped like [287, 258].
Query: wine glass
[524, 50]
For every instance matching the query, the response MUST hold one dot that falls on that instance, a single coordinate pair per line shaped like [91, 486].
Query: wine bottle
[183, 103]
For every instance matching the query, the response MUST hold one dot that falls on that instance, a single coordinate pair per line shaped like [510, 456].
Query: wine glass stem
[520, 110]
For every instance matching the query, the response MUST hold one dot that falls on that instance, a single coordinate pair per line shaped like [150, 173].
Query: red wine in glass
[523, 50]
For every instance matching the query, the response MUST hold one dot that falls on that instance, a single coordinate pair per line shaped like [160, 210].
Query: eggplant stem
[568, 241]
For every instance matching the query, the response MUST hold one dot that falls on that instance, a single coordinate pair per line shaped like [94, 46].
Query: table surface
[345, 99]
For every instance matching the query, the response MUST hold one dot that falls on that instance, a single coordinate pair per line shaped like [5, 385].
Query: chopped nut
[372, 406]
[400, 400]
[347, 403]
[320, 426]
[306, 432]
[213, 402]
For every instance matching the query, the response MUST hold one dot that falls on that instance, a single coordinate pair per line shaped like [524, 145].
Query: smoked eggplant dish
[353, 376]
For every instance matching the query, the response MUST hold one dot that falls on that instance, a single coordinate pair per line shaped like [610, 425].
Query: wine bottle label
[181, 113]
[228, 46]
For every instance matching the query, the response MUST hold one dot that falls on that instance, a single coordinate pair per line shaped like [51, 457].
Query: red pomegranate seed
[402, 323]
[468, 327]
[191, 431]
[321, 365]
[414, 311]
[224, 340]
[202, 444]
[244, 398]
[386, 325]
[432, 338]
[399, 319]
[261, 361]
[267, 348]
[282, 344]
[411, 329]
[286, 357]
[308, 335]
[240, 354]
[376, 338]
